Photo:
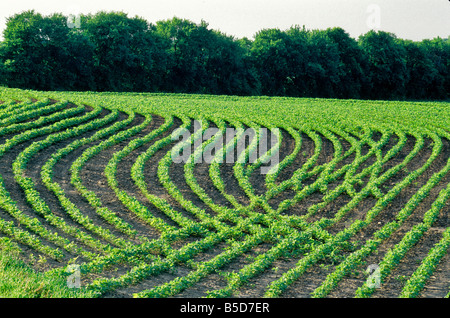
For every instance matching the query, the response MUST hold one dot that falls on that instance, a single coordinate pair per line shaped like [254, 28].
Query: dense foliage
[110, 51]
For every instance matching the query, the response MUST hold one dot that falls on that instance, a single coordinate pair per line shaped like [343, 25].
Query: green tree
[22, 53]
[226, 66]
[351, 66]
[203, 60]
[249, 83]
[438, 52]
[296, 62]
[280, 59]
[41, 52]
[387, 70]
[110, 51]
[128, 55]
[422, 72]
[323, 65]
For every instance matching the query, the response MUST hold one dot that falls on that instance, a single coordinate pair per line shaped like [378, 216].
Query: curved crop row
[308, 212]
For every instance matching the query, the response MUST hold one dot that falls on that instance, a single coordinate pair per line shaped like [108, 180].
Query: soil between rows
[96, 181]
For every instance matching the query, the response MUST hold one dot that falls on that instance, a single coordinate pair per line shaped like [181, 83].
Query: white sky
[408, 19]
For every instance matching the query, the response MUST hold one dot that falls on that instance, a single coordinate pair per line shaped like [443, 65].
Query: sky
[408, 19]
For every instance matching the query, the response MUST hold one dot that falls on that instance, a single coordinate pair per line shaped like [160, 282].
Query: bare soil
[95, 180]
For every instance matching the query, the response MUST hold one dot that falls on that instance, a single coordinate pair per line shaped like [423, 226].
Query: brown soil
[95, 180]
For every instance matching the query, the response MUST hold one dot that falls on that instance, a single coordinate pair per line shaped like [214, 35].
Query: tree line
[110, 51]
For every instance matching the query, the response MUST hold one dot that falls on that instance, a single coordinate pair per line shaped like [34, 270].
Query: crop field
[354, 199]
